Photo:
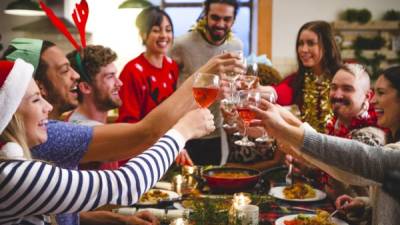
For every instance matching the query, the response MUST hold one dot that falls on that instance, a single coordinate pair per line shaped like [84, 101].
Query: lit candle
[240, 199]
[188, 170]
[179, 221]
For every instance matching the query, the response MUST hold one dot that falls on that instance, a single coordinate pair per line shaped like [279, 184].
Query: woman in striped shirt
[31, 190]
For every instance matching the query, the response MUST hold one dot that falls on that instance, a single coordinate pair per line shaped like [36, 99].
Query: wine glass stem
[245, 138]
[232, 89]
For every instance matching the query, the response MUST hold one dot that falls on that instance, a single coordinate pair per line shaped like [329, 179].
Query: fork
[332, 214]
[289, 175]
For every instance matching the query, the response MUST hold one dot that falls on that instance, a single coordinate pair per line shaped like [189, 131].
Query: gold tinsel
[316, 109]
[200, 27]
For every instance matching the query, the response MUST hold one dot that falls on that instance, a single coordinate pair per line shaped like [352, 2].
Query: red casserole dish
[230, 179]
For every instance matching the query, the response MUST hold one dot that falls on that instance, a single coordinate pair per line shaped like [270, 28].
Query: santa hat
[14, 80]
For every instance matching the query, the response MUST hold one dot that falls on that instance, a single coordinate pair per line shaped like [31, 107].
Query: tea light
[188, 170]
[179, 221]
[241, 199]
[178, 180]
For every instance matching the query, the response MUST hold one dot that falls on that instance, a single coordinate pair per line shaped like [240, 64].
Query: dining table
[270, 208]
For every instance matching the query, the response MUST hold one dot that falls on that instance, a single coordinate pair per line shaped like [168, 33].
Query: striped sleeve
[33, 188]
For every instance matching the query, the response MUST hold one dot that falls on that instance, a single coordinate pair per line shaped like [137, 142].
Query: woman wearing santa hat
[31, 190]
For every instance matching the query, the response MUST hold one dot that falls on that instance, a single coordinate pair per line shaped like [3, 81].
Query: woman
[370, 162]
[151, 77]
[318, 59]
[30, 190]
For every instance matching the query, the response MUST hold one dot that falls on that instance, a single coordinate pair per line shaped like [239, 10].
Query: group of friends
[40, 153]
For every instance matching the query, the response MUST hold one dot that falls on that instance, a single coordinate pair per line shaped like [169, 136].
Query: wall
[290, 15]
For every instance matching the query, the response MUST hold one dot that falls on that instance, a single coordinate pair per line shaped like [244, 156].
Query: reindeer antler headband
[79, 16]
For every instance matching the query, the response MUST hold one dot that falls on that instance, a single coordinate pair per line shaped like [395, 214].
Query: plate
[281, 220]
[153, 200]
[277, 192]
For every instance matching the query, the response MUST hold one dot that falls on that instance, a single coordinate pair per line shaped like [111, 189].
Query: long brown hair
[331, 60]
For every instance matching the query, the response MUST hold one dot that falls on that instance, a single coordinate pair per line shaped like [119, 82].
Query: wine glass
[247, 98]
[232, 77]
[205, 88]
[229, 106]
[269, 96]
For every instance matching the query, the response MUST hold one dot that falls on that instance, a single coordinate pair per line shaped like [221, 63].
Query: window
[184, 14]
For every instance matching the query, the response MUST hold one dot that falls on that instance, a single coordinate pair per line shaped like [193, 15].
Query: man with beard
[97, 94]
[97, 90]
[211, 36]
[354, 118]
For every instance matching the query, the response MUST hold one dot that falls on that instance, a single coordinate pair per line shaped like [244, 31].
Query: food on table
[153, 196]
[224, 174]
[299, 191]
[321, 218]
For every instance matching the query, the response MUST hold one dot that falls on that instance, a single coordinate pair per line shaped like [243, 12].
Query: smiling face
[61, 88]
[34, 110]
[387, 104]
[106, 87]
[160, 38]
[309, 50]
[347, 94]
[220, 19]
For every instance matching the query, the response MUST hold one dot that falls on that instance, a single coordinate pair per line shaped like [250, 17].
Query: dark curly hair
[93, 57]
[233, 3]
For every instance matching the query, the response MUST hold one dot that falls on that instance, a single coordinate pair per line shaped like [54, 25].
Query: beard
[57, 100]
[105, 102]
[213, 34]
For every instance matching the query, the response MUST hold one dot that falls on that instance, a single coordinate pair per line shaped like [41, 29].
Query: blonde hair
[15, 132]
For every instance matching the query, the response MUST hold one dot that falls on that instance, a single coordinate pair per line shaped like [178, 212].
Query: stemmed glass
[231, 77]
[269, 96]
[247, 98]
[205, 88]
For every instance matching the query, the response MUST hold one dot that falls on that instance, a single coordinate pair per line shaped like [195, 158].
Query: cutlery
[287, 208]
[289, 175]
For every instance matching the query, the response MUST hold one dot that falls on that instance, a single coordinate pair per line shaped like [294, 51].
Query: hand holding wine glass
[205, 88]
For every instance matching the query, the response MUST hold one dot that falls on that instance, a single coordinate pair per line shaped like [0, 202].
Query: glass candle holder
[177, 184]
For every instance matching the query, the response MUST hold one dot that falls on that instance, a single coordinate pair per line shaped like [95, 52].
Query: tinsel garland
[338, 129]
[200, 27]
[316, 109]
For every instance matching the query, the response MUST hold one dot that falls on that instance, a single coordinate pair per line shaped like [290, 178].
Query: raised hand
[196, 123]
[230, 62]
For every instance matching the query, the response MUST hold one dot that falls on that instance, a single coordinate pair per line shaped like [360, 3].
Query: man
[354, 118]
[349, 95]
[211, 36]
[68, 145]
[97, 94]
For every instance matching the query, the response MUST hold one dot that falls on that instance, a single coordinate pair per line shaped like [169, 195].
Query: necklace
[316, 109]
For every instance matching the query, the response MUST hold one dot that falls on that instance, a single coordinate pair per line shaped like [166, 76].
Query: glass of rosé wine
[247, 98]
[205, 88]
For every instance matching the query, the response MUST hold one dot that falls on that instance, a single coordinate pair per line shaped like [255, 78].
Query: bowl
[231, 179]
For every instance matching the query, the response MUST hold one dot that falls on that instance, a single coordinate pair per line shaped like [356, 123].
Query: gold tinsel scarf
[316, 109]
[200, 27]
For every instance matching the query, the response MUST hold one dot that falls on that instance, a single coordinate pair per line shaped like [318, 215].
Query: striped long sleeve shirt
[31, 190]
